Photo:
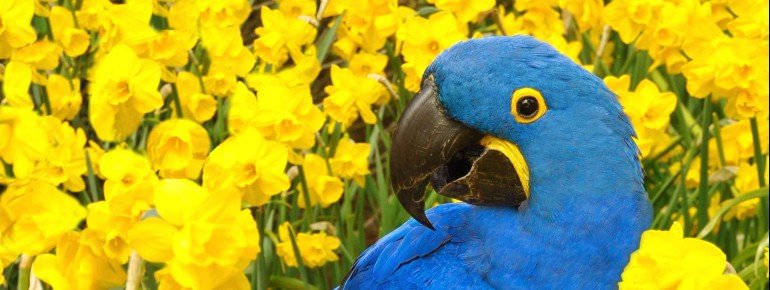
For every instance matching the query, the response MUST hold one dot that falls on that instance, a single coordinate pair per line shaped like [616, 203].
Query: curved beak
[460, 162]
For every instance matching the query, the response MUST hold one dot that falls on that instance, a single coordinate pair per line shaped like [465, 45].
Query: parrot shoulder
[411, 241]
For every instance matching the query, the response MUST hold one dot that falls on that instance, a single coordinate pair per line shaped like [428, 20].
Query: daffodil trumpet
[459, 162]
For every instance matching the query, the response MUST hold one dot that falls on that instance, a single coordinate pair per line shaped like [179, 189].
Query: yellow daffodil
[73, 41]
[16, 82]
[587, 14]
[219, 83]
[124, 88]
[315, 249]
[648, 108]
[64, 160]
[225, 13]
[752, 20]
[249, 164]
[225, 48]
[323, 188]
[35, 214]
[351, 160]
[64, 96]
[108, 230]
[17, 146]
[203, 238]
[366, 24]
[196, 105]
[7, 257]
[465, 11]
[178, 148]
[424, 39]
[16, 16]
[351, 96]
[77, 265]
[170, 48]
[628, 17]
[129, 180]
[297, 8]
[738, 141]
[42, 55]
[278, 33]
[281, 113]
[746, 180]
[364, 64]
[303, 73]
[666, 260]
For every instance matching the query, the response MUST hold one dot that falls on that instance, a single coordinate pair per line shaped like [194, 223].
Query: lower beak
[460, 162]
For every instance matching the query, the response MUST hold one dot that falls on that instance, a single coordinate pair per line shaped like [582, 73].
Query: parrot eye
[527, 105]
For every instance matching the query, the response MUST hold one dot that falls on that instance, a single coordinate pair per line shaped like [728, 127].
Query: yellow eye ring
[527, 105]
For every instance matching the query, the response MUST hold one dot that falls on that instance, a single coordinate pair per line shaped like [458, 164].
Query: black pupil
[527, 107]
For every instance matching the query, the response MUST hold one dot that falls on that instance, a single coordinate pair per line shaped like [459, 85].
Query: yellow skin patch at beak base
[514, 155]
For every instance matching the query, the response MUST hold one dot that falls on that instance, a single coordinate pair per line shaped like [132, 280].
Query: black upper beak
[424, 140]
[429, 145]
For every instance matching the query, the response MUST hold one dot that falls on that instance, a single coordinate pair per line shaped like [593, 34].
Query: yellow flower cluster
[195, 135]
[148, 126]
[666, 260]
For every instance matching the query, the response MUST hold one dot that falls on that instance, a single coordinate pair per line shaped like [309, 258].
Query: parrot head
[509, 121]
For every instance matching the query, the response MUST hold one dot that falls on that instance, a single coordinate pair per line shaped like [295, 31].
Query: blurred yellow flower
[129, 180]
[196, 105]
[108, 229]
[16, 81]
[16, 16]
[77, 265]
[323, 188]
[73, 41]
[648, 108]
[34, 214]
[219, 83]
[42, 55]
[364, 64]
[738, 141]
[17, 146]
[366, 24]
[285, 114]
[304, 71]
[424, 39]
[752, 20]
[746, 180]
[351, 160]
[177, 148]
[465, 11]
[297, 8]
[124, 88]
[249, 164]
[225, 48]
[351, 96]
[315, 249]
[170, 48]
[587, 13]
[7, 257]
[204, 238]
[666, 260]
[64, 160]
[64, 96]
[224, 13]
[278, 32]
[629, 17]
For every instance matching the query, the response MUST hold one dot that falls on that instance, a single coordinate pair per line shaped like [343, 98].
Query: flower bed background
[244, 144]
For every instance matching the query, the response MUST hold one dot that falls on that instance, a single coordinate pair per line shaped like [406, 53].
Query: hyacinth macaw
[542, 154]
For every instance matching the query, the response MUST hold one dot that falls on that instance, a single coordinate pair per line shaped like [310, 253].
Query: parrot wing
[411, 242]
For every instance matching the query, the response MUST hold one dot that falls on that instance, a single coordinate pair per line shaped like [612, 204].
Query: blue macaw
[542, 154]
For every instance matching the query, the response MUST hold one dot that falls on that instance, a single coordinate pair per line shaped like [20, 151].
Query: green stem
[703, 197]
